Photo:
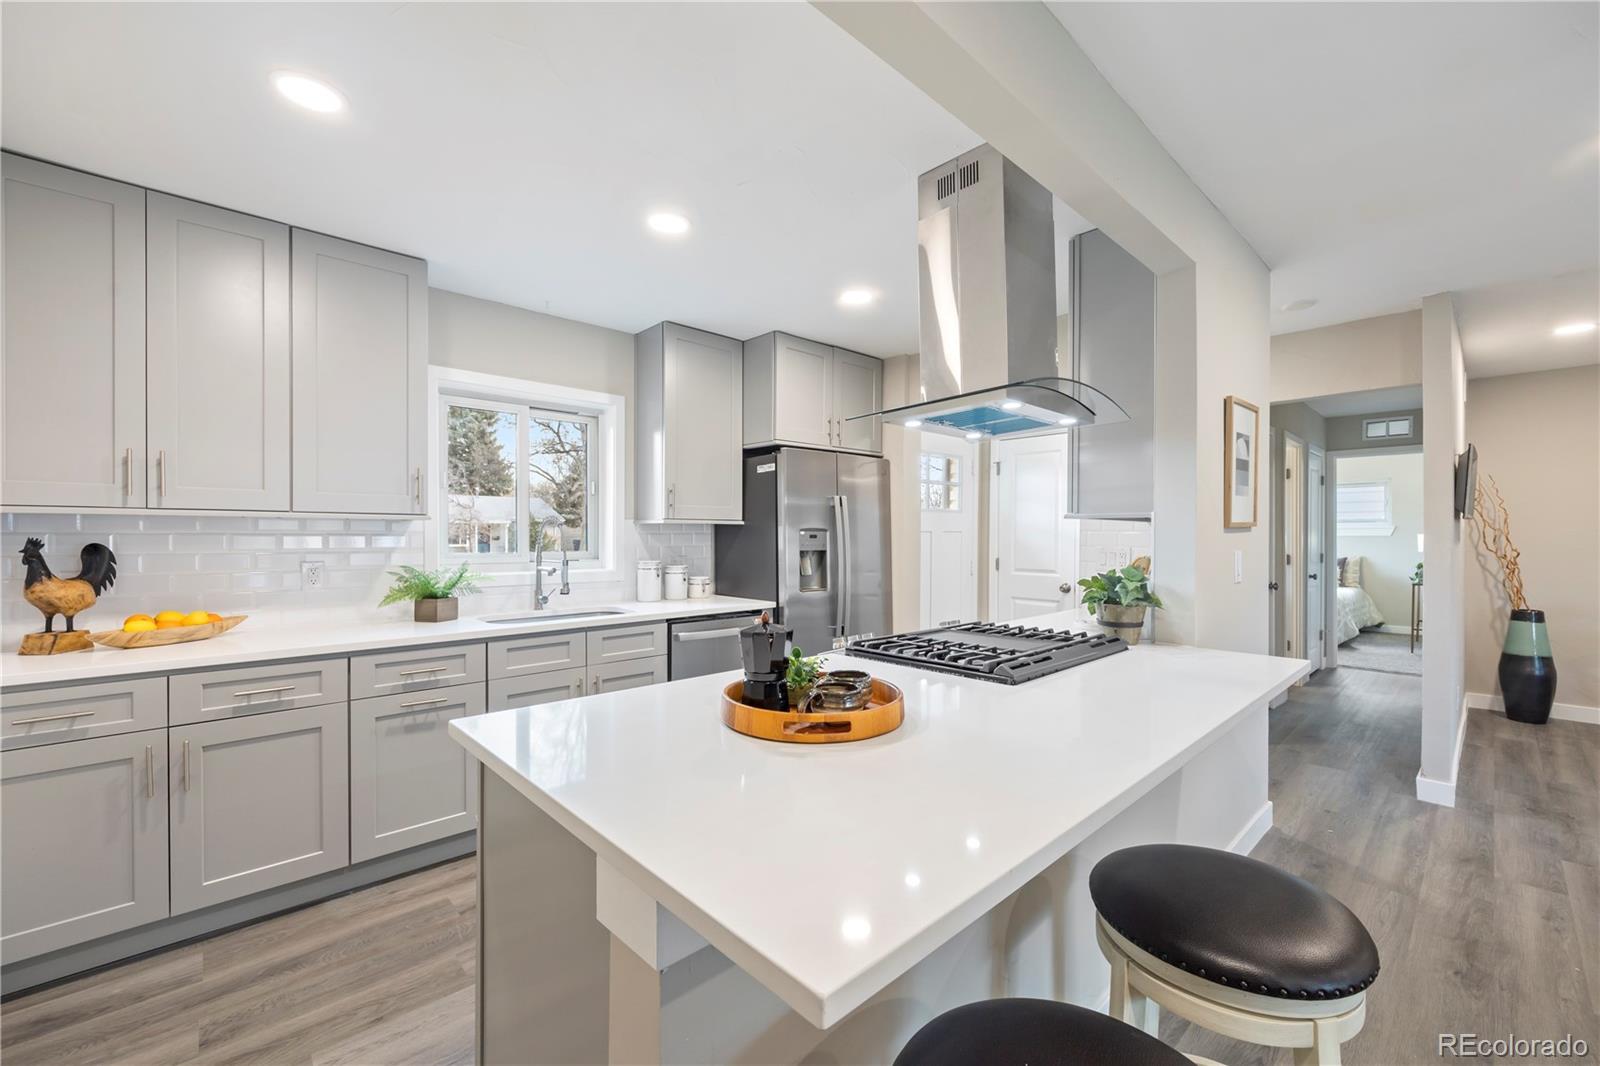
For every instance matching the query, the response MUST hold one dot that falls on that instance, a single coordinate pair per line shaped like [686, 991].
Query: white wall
[1444, 381]
[1388, 561]
[1370, 353]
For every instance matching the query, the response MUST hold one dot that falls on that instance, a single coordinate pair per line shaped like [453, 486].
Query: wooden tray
[884, 712]
[157, 638]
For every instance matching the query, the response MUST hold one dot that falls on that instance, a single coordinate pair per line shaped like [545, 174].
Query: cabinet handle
[247, 693]
[596, 682]
[416, 481]
[427, 703]
[53, 717]
[127, 472]
[149, 772]
[577, 687]
[423, 670]
[186, 766]
[672, 505]
[161, 473]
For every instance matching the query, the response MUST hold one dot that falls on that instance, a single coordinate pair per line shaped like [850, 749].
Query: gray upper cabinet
[74, 338]
[688, 427]
[799, 392]
[83, 841]
[360, 378]
[257, 802]
[857, 390]
[218, 306]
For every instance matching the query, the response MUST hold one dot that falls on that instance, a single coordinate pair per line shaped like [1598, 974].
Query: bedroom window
[1364, 509]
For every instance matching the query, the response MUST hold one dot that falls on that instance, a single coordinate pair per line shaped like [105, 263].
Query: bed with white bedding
[1355, 612]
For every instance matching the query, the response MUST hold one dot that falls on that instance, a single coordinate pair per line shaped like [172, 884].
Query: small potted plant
[432, 592]
[1119, 599]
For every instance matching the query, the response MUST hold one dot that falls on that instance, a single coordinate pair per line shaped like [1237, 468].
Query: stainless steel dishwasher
[706, 645]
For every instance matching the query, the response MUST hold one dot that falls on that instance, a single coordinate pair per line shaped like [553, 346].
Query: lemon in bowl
[196, 618]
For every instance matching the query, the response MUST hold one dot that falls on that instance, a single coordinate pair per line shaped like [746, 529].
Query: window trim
[609, 410]
[1387, 422]
[1383, 527]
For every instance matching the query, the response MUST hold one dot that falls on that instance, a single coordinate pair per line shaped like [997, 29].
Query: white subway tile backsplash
[252, 542]
[301, 543]
[225, 562]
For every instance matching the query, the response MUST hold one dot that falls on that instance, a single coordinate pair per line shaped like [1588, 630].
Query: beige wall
[1388, 560]
[1444, 390]
[1371, 353]
[1344, 433]
[903, 447]
[1537, 435]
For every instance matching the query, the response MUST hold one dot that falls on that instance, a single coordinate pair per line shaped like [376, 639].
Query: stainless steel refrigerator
[815, 539]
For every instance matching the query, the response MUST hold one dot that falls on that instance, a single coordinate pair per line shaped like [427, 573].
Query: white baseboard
[1566, 712]
[1398, 631]
[1253, 831]
[1443, 793]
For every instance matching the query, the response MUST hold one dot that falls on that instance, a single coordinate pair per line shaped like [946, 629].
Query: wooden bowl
[884, 712]
[158, 638]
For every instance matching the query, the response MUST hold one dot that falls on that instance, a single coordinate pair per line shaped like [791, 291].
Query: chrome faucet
[540, 596]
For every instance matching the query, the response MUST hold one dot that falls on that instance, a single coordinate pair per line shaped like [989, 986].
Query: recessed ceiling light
[1066, 420]
[913, 423]
[1299, 305]
[668, 223]
[308, 92]
[1572, 329]
[1011, 405]
[857, 297]
[974, 435]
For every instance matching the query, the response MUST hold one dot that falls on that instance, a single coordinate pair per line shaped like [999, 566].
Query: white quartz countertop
[825, 871]
[249, 643]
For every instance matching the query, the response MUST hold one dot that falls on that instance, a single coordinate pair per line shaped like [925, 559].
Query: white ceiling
[1369, 402]
[518, 148]
[1373, 154]
[1506, 329]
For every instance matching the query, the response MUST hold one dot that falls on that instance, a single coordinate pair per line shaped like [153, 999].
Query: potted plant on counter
[1119, 599]
[433, 593]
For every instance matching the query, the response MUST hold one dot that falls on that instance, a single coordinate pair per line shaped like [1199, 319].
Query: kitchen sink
[549, 616]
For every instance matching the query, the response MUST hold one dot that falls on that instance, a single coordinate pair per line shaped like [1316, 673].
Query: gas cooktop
[989, 651]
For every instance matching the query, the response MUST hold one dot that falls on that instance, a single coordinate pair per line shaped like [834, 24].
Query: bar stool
[1032, 1032]
[1233, 945]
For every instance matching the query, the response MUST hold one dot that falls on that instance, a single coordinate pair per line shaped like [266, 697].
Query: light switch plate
[1238, 567]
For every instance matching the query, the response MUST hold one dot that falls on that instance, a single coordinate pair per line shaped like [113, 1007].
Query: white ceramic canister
[675, 582]
[649, 580]
[700, 587]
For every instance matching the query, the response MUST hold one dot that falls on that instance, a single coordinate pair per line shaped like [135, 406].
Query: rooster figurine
[64, 595]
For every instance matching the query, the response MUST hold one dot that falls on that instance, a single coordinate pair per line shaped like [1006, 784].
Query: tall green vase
[1527, 671]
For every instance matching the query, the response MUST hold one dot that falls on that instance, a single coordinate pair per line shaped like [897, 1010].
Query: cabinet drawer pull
[247, 693]
[161, 473]
[53, 717]
[149, 772]
[427, 703]
[423, 670]
[186, 766]
[127, 472]
[417, 485]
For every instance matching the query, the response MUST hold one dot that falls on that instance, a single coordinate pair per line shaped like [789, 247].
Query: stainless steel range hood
[986, 251]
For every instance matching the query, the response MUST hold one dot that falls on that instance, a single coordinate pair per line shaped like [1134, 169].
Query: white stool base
[1141, 985]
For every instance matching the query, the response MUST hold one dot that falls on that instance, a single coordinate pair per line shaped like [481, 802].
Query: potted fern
[433, 593]
[1119, 599]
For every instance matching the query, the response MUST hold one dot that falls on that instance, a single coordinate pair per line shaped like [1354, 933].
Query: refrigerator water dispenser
[813, 560]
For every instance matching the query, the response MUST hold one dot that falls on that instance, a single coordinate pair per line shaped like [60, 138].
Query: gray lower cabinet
[409, 781]
[627, 642]
[257, 802]
[83, 841]
[631, 673]
[536, 653]
[74, 338]
[78, 712]
[537, 688]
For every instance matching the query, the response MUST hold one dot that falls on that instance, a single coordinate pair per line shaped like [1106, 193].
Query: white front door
[1032, 542]
[1316, 558]
[947, 486]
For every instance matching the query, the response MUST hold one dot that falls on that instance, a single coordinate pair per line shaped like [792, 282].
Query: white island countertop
[249, 643]
[826, 871]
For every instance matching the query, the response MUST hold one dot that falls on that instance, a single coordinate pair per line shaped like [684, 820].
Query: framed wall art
[1241, 460]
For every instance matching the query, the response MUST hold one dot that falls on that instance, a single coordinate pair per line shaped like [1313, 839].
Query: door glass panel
[483, 482]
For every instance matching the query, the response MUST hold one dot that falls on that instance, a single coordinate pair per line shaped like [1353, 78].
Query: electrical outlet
[1122, 558]
[311, 576]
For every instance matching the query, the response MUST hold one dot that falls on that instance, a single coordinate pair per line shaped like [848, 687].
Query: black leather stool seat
[1230, 919]
[1032, 1032]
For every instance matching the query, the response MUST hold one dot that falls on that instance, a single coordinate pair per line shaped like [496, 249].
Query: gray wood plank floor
[1487, 916]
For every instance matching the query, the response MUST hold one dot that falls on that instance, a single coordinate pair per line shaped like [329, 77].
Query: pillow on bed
[1342, 560]
[1350, 578]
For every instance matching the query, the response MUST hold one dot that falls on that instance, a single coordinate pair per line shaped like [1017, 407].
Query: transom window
[939, 482]
[1386, 428]
[512, 470]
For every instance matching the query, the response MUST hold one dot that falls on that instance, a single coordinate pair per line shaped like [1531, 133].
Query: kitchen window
[939, 482]
[1364, 509]
[515, 459]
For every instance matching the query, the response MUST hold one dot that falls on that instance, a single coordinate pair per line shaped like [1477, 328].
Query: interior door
[1293, 515]
[864, 511]
[948, 530]
[1316, 558]
[1031, 539]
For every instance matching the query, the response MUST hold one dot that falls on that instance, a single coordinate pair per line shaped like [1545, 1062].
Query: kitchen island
[656, 887]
